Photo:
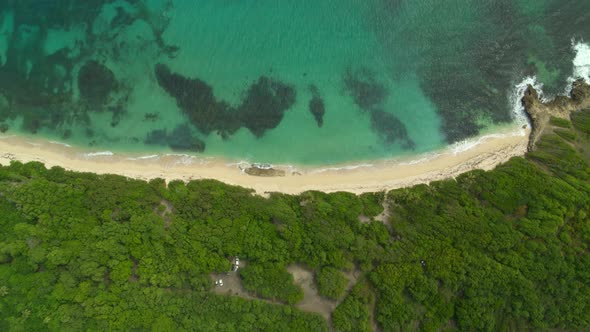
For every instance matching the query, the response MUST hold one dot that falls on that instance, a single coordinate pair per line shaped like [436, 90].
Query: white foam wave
[242, 164]
[471, 143]
[187, 159]
[518, 113]
[581, 61]
[99, 154]
[153, 156]
[426, 157]
[60, 143]
[343, 168]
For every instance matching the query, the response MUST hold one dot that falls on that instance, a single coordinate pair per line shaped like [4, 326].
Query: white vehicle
[237, 262]
[219, 282]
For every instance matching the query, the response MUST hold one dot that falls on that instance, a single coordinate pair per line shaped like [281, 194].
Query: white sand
[482, 153]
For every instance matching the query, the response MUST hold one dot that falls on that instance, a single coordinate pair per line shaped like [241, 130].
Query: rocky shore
[540, 112]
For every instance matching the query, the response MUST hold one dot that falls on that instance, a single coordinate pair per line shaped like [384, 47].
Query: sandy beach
[484, 152]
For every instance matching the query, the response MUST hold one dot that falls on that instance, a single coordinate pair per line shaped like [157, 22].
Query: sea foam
[153, 156]
[518, 112]
[60, 143]
[99, 154]
[581, 61]
[342, 168]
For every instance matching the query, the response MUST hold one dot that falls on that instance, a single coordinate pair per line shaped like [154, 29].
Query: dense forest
[487, 251]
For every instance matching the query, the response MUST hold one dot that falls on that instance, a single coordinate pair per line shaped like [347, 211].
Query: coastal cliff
[540, 113]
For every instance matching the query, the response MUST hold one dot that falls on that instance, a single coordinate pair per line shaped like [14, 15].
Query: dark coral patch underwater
[262, 108]
[370, 95]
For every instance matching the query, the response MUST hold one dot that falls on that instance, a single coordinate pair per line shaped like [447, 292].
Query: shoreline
[483, 152]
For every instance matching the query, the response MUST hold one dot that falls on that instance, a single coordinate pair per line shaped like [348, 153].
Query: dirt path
[384, 216]
[166, 213]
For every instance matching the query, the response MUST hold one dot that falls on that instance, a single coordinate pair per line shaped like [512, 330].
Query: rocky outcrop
[264, 171]
[540, 112]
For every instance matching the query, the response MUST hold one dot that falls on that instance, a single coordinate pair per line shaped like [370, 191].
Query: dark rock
[96, 82]
[264, 172]
[4, 127]
[530, 97]
[540, 113]
[67, 134]
[580, 91]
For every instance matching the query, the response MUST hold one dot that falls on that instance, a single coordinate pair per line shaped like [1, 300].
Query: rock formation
[540, 112]
[264, 171]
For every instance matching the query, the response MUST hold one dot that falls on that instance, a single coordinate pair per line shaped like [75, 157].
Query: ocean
[286, 82]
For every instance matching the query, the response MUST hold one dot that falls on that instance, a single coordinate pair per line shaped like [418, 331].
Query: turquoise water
[307, 82]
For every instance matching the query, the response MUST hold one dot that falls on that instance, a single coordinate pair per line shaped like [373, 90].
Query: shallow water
[305, 82]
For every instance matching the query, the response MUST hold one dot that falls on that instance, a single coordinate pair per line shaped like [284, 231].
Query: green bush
[271, 281]
[559, 122]
[331, 283]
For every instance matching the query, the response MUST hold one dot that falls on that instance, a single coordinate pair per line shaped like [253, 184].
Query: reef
[196, 99]
[316, 105]
[180, 139]
[391, 129]
[364, 88]
[96, 82]
[265, 104]
[540, 113]
[55, 47]
[370, 95]
[263, 107]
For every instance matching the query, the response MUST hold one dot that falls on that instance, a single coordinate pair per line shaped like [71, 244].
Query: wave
[471, 143]
[518, 112]
[153, 156]
[581, 61]
[60, 143]
[99, 154]
[581, 64]
[187, 159]
[342, 168]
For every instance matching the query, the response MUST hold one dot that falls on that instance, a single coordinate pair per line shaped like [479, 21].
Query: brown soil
[312, 301]
[232, 283]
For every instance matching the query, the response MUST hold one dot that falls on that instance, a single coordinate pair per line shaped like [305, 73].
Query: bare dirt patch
[312, 301]
[364, 219]
[384, 216]
[232, 284]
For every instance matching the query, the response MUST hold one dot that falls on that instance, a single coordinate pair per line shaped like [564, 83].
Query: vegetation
[559, 122]
[331, 283]
[500, 250]
[354, 313]
[271, 282]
